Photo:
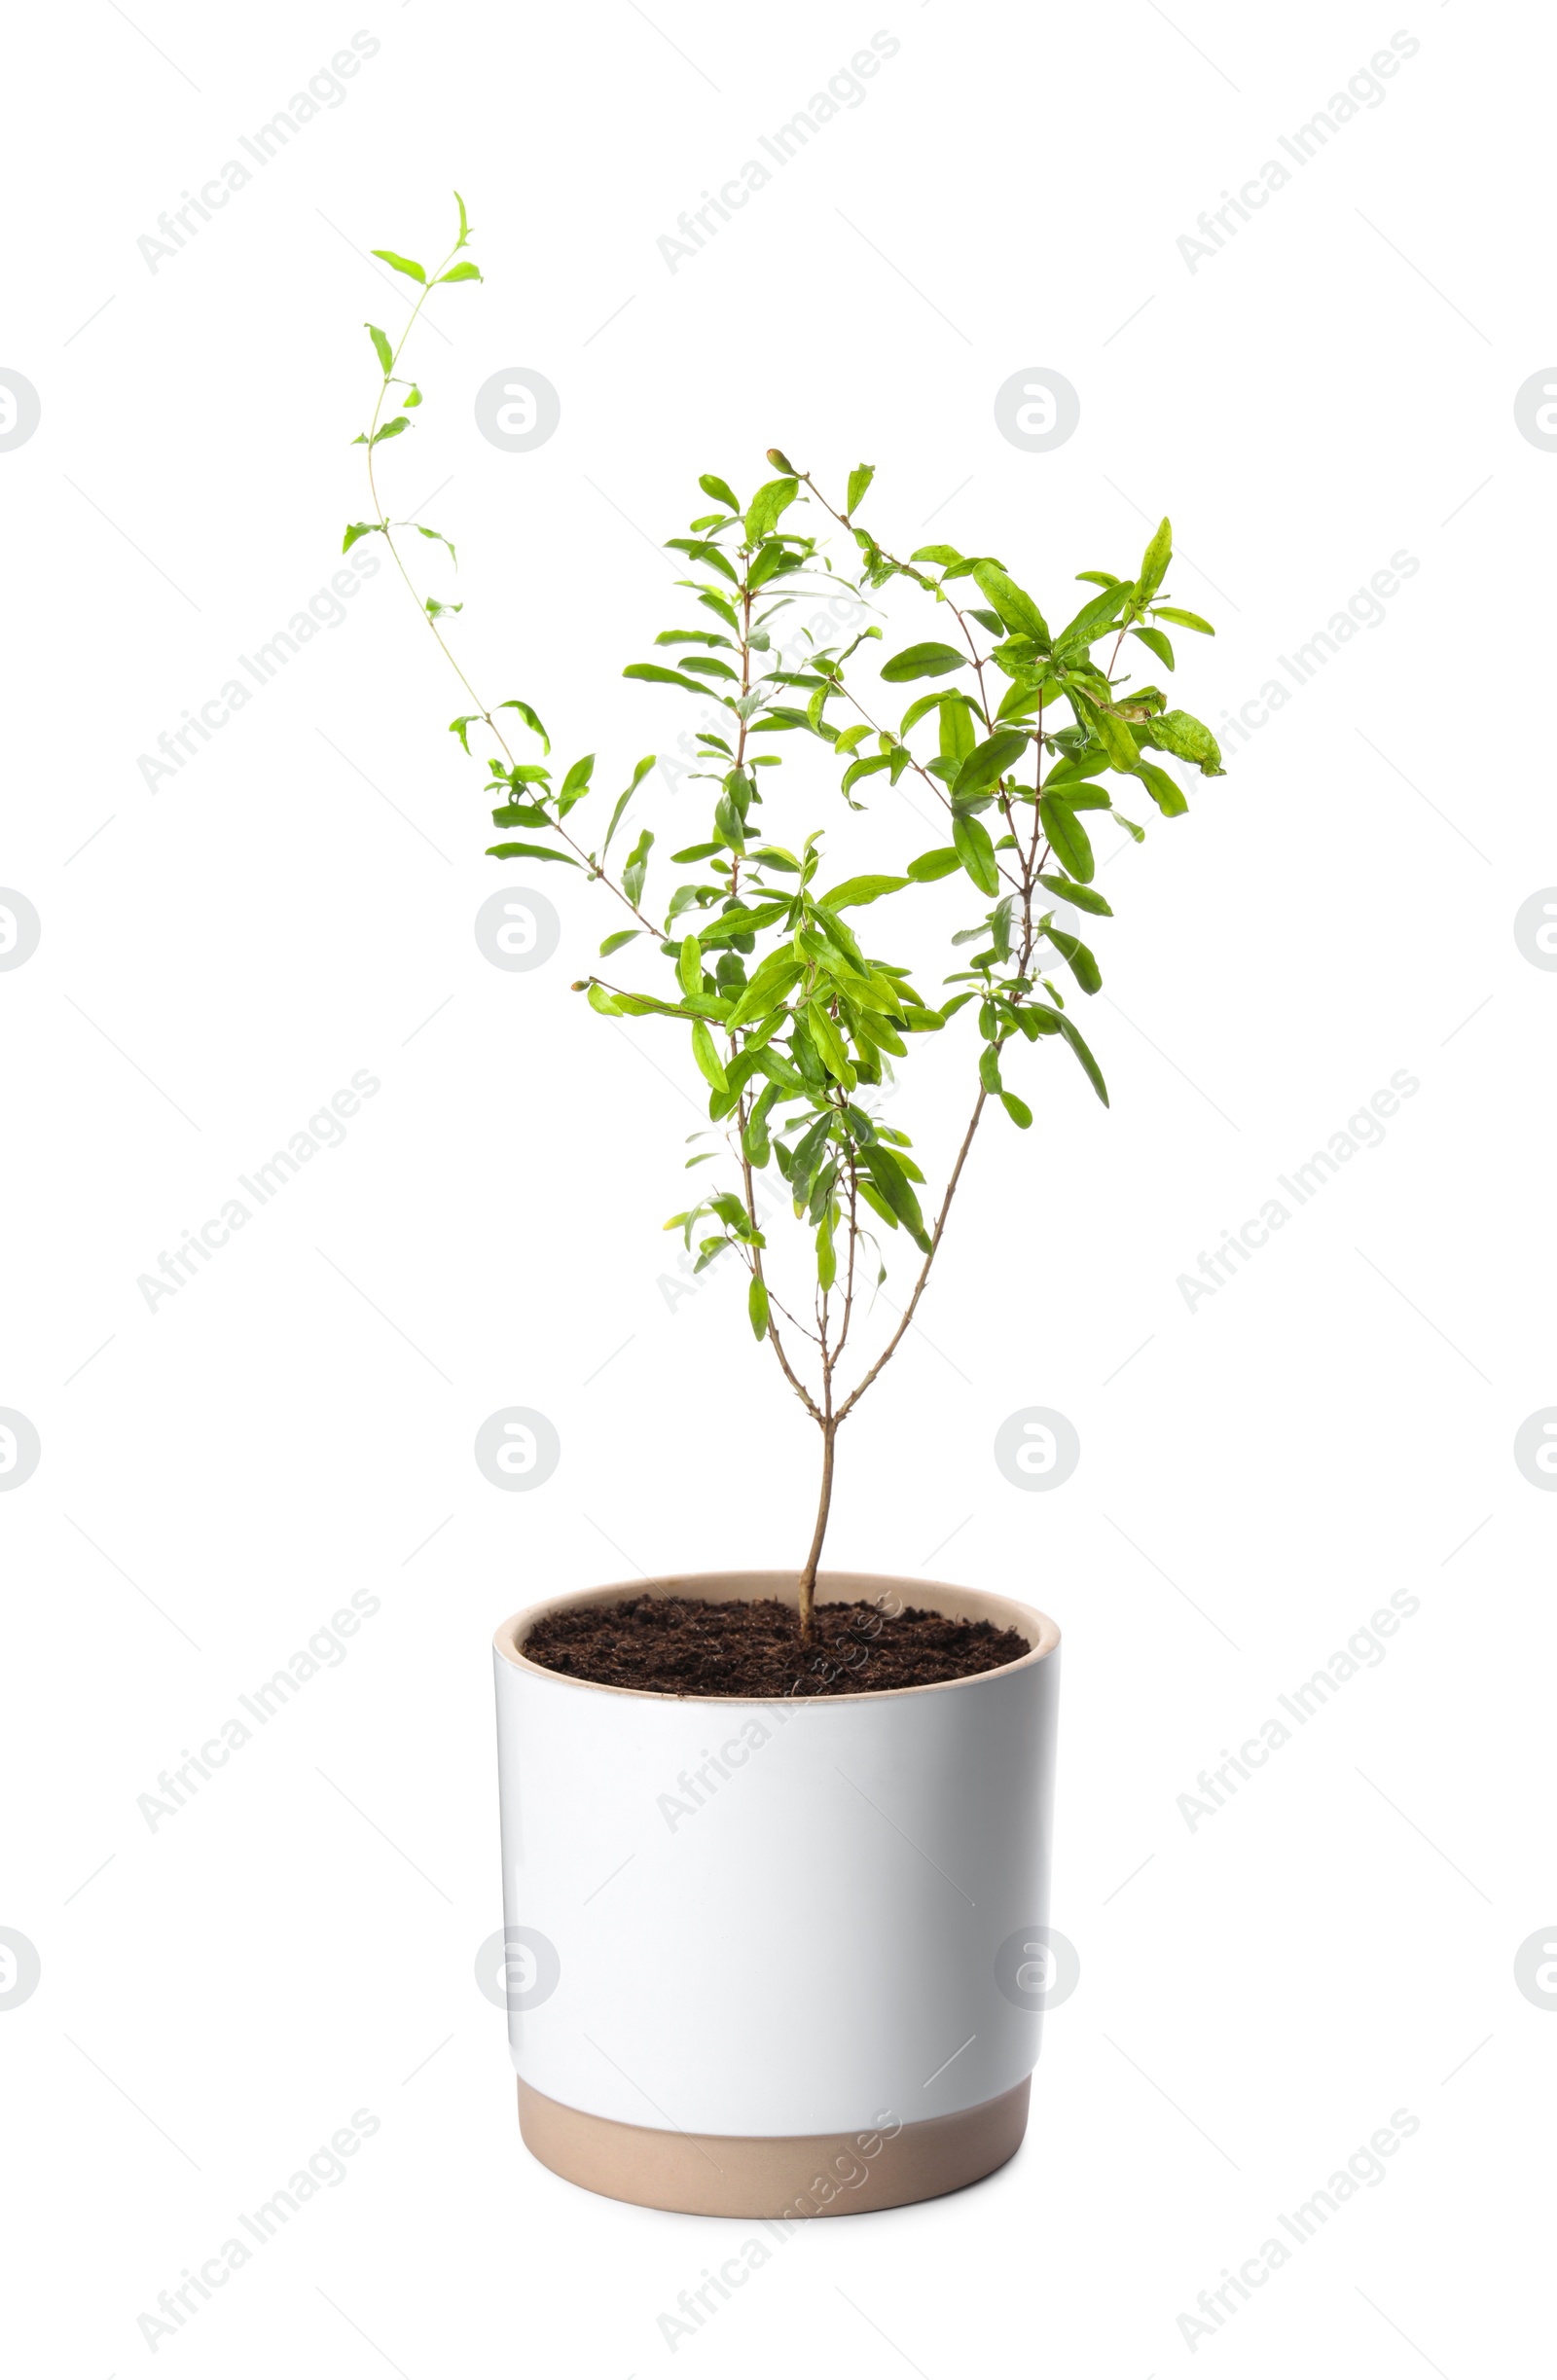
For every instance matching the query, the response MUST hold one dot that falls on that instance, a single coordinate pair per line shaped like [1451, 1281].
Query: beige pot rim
[832, 1586]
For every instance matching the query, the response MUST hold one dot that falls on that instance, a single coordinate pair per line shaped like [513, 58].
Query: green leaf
[758, 1306]
[689, 965]
[975, 850]
[652, 672]
[766, 506]
[708, 1057]
[943, 556]
[786, 1082]
[989, 762]
[931, 865]
[464, 222]
[602, 1002]
[878, 1035]
[1081, 897]
[729, 824]
[737, 1073]
[701, 550]
[957, 730]
[639, 1004]
[742, 920]
[755, 1140]
[829, 1044]
[858, 890]
[864, 768]
[1165, 790]
[1079, 959]
[826, 1255]
[860, 479]
[380, 346]
[1066, 772]
[638, 776]
[1018, 612]
[1188, 738]
[1089, 1064]
[1092, 620]
[459, 272]
[1154, 565]
[438, 538]
[614, 942]
[990, 1068]
[895, 1186]
[1068, 838]
[529, 718]
[390, 429]
[809, 1149]
[363, 528]
[402, 264]
[1155, 642]
[1114, 734]
[921, 707]
[1183, 619]
[921, 661]
[575, 784]
[1020, 660]
[875, 1201]
[527, 850]
[720, 489]
[834, 939]
[1020, 1113]
[637, 866]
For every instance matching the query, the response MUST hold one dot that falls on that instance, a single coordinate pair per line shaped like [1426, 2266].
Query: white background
[296, 903]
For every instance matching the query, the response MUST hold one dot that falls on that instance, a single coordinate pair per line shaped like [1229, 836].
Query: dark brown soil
[670, 1645]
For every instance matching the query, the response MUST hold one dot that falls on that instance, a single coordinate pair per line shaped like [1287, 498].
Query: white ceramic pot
[776, 1958]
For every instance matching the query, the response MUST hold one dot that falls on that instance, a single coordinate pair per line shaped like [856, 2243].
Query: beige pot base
[844, 2173]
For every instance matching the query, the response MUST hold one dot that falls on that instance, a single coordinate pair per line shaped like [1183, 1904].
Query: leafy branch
[525, 791]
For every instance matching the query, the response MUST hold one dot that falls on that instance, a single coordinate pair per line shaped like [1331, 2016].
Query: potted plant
[775, 1841]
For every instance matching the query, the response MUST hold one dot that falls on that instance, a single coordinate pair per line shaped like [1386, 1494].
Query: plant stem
[807, 1576]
